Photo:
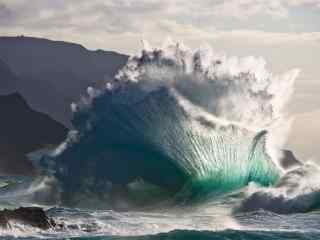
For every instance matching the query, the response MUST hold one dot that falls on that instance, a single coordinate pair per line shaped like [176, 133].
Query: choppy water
[212, 222]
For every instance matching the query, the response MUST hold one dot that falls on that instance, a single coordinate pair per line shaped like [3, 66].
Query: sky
[285, 32]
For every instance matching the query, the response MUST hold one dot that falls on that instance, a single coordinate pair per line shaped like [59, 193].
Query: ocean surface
[207, 222]
[181, 144]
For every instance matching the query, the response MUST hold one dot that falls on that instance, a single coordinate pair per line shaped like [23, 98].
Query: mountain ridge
[53, 74]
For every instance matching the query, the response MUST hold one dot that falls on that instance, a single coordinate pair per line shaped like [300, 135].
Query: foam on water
[297, 191]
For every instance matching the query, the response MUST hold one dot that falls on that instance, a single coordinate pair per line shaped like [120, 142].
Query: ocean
[181, 144]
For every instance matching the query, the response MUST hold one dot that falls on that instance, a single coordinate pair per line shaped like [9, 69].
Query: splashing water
[188, 122]
[297, 191]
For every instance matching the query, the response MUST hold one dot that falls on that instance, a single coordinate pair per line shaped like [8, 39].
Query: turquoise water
[153, 139]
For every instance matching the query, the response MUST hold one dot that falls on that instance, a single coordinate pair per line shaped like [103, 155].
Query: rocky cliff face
[52, 74]
[39, 79]
[23, 130]
[289, 160]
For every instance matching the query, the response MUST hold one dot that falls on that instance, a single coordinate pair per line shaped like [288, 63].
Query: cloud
[271, 38]
[247, 8]
[117, 16]
[118, 23]
[113, 16]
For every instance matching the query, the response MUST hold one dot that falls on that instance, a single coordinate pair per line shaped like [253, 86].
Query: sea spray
[186, 121]
[297, 191]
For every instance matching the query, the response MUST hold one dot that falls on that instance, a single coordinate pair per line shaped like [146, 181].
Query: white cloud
[116, 16]
[120, 24]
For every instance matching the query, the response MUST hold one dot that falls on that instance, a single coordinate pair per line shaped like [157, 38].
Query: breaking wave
[297, 191]
[177, 123]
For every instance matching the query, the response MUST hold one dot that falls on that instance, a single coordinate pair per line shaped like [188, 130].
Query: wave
[298, 191]
[188, 123]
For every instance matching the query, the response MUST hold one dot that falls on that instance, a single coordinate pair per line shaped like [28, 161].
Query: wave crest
[297, 191]
[185, 121]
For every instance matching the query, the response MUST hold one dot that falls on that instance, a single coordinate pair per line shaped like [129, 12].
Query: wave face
[185, 122]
